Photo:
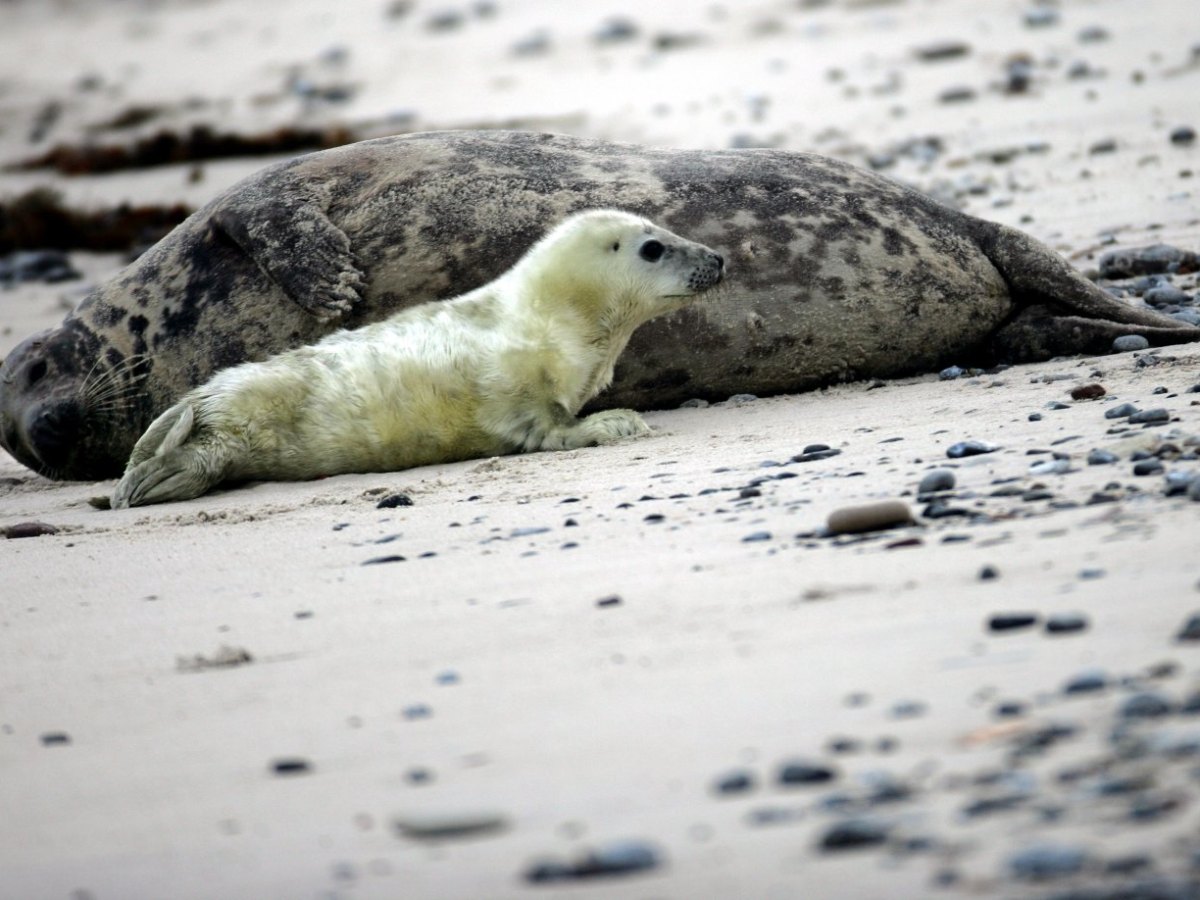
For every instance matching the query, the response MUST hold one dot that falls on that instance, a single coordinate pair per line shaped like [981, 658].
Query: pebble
[809, 455]
[854, 834]
[1123, 411]
[909, 709]
[1050, 467]
[435, 826]
[756, 537]
[1180, 482]
[988, 573]
[1086, 682]
[1129, 342]
[615, 858]
[1118, 264]
[1183, 136]
[383, 560]
[937, 480]
[27, 530]
[970, 448]
[1066, 623]
[869, 517]
[943, 50]
[55, 739]
[801, 772]
[737, 781]
[1088, 392]
[1167, 295]
[1012, 621]
[393, 501]
[1148, 467]
[1190, 630]
[1102, 458]
[47, 266]
[1156, 416]
[950, 373]
[291, 765]
[1041, 17]
[1146, 705]
[1046, 860]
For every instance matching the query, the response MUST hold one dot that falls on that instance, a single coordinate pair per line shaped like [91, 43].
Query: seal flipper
[165, 465]
[296, 244]
[1062, 313]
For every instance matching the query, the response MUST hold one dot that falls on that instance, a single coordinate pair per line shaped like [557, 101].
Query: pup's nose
[720, 260]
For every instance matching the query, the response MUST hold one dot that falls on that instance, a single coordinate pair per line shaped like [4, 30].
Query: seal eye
[651, 251]
[616, 246]
[37, 372]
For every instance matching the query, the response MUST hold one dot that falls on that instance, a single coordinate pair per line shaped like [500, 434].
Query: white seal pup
[503, 369]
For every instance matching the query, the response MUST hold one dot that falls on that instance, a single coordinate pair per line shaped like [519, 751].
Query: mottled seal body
[504, 369]
[841, 274]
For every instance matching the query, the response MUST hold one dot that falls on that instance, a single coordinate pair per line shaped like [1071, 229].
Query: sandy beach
[642, 670]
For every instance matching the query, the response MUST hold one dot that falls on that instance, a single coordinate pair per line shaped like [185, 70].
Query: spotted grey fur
[836, 273]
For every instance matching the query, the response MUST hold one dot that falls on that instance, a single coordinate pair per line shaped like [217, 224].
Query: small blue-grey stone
[1102, 458]
[950, 373]
[1122, 411]
[937, 480]
[1086, 682]
[1066, 623]
[970, 448]
[738, 781]
[618, 858]
[756, 537]
[854, 834]
[1042, 861]
[1129, 342]
[1146, 705]
[1150, 417]
[800, 772]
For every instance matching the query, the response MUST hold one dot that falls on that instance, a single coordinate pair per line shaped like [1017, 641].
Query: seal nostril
[37, 372]
[720, 260]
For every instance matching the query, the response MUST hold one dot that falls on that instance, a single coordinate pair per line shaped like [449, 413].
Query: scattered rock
[393, 501]
[1066, 623]
[970, 448]
[1129, 342]
[1146, 705]
[1120, 264]
[1156, 416]
[1088, 392]
[1012, 621]
[1190, 630]
[937, 480]
[738, 781]
[1086, 682]
[441, 826]
[617, 858]
[291, 765]
[1121, 411]
[1046, 861]
[854, 834]
[225, 658]
[869, 517]
[1102, 458]
[28, 530]
[802, 772]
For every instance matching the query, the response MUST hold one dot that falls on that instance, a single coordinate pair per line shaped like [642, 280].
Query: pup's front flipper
[598, 428]
[165, 465]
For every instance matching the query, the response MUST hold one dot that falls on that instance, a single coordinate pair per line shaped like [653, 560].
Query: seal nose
[720, 261]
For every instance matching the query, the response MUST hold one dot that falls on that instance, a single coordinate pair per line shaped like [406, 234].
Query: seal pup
[503, 369]
[843, 275]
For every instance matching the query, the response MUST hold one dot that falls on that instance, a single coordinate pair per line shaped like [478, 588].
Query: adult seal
[841, 274]
[503, 369]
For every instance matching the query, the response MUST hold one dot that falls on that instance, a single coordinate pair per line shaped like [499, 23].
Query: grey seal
[503, 369]
[842, 274]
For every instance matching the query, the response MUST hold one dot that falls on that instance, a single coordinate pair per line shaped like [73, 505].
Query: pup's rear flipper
[1063, 313]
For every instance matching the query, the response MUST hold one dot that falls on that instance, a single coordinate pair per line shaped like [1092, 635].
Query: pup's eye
[616, 246]
[651, 251]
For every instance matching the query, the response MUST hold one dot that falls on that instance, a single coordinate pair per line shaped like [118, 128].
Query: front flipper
[168, 464]
[296, 244]
[598, 428]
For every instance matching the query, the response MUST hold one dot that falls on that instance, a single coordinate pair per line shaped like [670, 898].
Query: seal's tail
[1059, 312]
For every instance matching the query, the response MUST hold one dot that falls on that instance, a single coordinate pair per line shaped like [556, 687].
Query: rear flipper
[598, 428]
[1039, 332]
[1064, 313]
[166, 465]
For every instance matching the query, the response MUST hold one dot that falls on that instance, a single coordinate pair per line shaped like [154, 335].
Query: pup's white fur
[503, 369]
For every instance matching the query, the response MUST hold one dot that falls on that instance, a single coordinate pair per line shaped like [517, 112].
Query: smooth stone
[1086, 682]
[970, 448]
[937, 480]
[1128, 343]
[738, 781]
[869, 517]
[854, 834]
[1066, 623]
[1011, 621]
[433, 826]
[1122, 411]
[1147, 705]
[1190, 630]
[1150, 417]
[1043, 861]
[801, 772]
[1102, 458]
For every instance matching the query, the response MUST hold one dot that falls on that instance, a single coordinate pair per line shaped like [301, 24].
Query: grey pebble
[756, 537]
[1146, 705]
[737, 781]
[440, 826]
[1148, 467]
[950, 373]
[970, 448]
[1066, 623]
[937, 480]
[854, 834]
[1166, 295]
[869, 517]
[1190, 630]
[803, 772]
[1183, 135]
[1154, 416]
[1122, 411]
[1046, 860]
[1179, 482]
[1102, 458]
[1129, 342]
[1086, 682]
[1050, 467]
[999, 622]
